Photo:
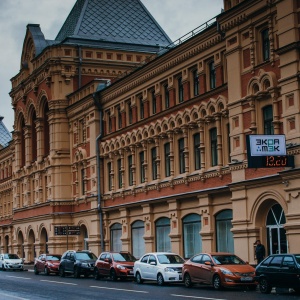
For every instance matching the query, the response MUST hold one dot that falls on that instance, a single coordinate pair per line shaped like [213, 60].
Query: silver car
[9, 261]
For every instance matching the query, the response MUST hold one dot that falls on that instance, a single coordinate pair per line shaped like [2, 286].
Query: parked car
[77, 263]
[47, 263]
[218, 269]
[159, 266]
[114, 265]
[9, 261]
[279, 270]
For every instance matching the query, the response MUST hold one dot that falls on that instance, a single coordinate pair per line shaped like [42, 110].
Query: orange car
[218, 269]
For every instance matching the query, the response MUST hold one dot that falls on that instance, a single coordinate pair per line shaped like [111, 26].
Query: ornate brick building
[141, 142]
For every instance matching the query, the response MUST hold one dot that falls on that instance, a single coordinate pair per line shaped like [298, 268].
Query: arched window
[115, 237]
[224, 234]
[277, 242]
[191, 235]
[138, 243]
[163, 241]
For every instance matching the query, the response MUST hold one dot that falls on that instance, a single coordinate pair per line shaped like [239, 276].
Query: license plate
[130, 272]
[246, 279]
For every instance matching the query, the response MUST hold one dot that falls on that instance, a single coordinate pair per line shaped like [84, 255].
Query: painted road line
[106, 288]
[18, 277]
[59, 282]
[7, 296]
[195, 297]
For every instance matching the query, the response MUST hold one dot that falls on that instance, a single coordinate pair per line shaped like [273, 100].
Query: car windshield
[119, 257]
[227, 260]
[297, 256]
[85, 255]
[170, 259]
[53, 257]
[11, 256]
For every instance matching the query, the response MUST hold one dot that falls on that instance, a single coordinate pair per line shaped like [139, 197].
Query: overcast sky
[176, 17]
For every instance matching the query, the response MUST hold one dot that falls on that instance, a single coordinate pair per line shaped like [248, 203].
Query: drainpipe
[96, 101]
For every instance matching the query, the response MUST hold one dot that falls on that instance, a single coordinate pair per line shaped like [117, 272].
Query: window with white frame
[163, 241]
[138, 242]
[115, 237]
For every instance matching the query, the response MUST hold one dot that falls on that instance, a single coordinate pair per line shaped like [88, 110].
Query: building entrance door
[276, 236]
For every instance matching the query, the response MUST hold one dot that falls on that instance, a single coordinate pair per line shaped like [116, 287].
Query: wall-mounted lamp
[286, 183]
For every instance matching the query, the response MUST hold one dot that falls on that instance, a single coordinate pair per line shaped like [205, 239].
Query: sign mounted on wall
[265, 145]
[268, 151]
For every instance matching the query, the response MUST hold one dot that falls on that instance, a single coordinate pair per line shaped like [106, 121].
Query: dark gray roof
[5, 136]
[112, 21]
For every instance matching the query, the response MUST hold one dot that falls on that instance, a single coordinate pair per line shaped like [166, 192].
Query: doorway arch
[20, 246]
[44, 241]
[276, 235]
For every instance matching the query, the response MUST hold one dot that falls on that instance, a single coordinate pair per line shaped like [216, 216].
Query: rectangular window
[167, 96]
[197, 157]
[181, 155]
[129, 113]
[109, 121]
[142, 167]
[213, 147]
[119, 166]
[142, 109]
[154, 165]
[109, 176]
[180, 90]
[212, 75]
[167, 159]
[130, 171]
[265, 44]
[153, 102]
[81, 132]
[119, 117]
[268, 120]
[82, 182]
[196, 82]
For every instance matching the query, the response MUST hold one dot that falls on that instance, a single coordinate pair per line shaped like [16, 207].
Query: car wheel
[160, 279]
[264, 286]
[36, 272]
[217, 282]
[113, 275]
[96, 274]
[187, 280]
[3, 268]
[76, 272]
[61, 272]
[138, 278]
[46, 271]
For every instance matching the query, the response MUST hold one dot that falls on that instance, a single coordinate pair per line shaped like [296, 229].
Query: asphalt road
[28, 286]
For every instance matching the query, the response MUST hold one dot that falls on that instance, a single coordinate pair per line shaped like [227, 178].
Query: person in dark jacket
[260, 251]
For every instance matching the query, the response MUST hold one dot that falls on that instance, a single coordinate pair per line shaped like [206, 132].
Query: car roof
[215, 253]
[160, 253]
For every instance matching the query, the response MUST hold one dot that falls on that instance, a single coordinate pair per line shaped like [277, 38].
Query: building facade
[141, 143]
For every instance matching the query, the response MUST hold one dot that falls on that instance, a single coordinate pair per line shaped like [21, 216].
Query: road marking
[14, 297]
[195, 297]
[60, 282]
[18, 277]
[106, 288]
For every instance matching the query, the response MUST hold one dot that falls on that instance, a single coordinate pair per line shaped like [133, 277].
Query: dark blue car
[279, 270]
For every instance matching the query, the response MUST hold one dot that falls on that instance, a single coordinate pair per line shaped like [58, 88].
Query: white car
[10, 261]
[159, 266]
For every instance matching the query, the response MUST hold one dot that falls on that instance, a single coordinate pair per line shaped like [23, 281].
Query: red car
[114, 265]
[47, 263]
[218, 269]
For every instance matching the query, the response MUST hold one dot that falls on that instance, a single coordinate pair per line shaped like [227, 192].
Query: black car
[77, 263]
[279, 270]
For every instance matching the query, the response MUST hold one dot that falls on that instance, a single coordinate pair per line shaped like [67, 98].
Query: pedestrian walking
[260, 251]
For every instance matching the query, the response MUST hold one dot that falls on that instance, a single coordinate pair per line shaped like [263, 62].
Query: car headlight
[50, 265]
[226, 272]
[168, 269]
[121, 267]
